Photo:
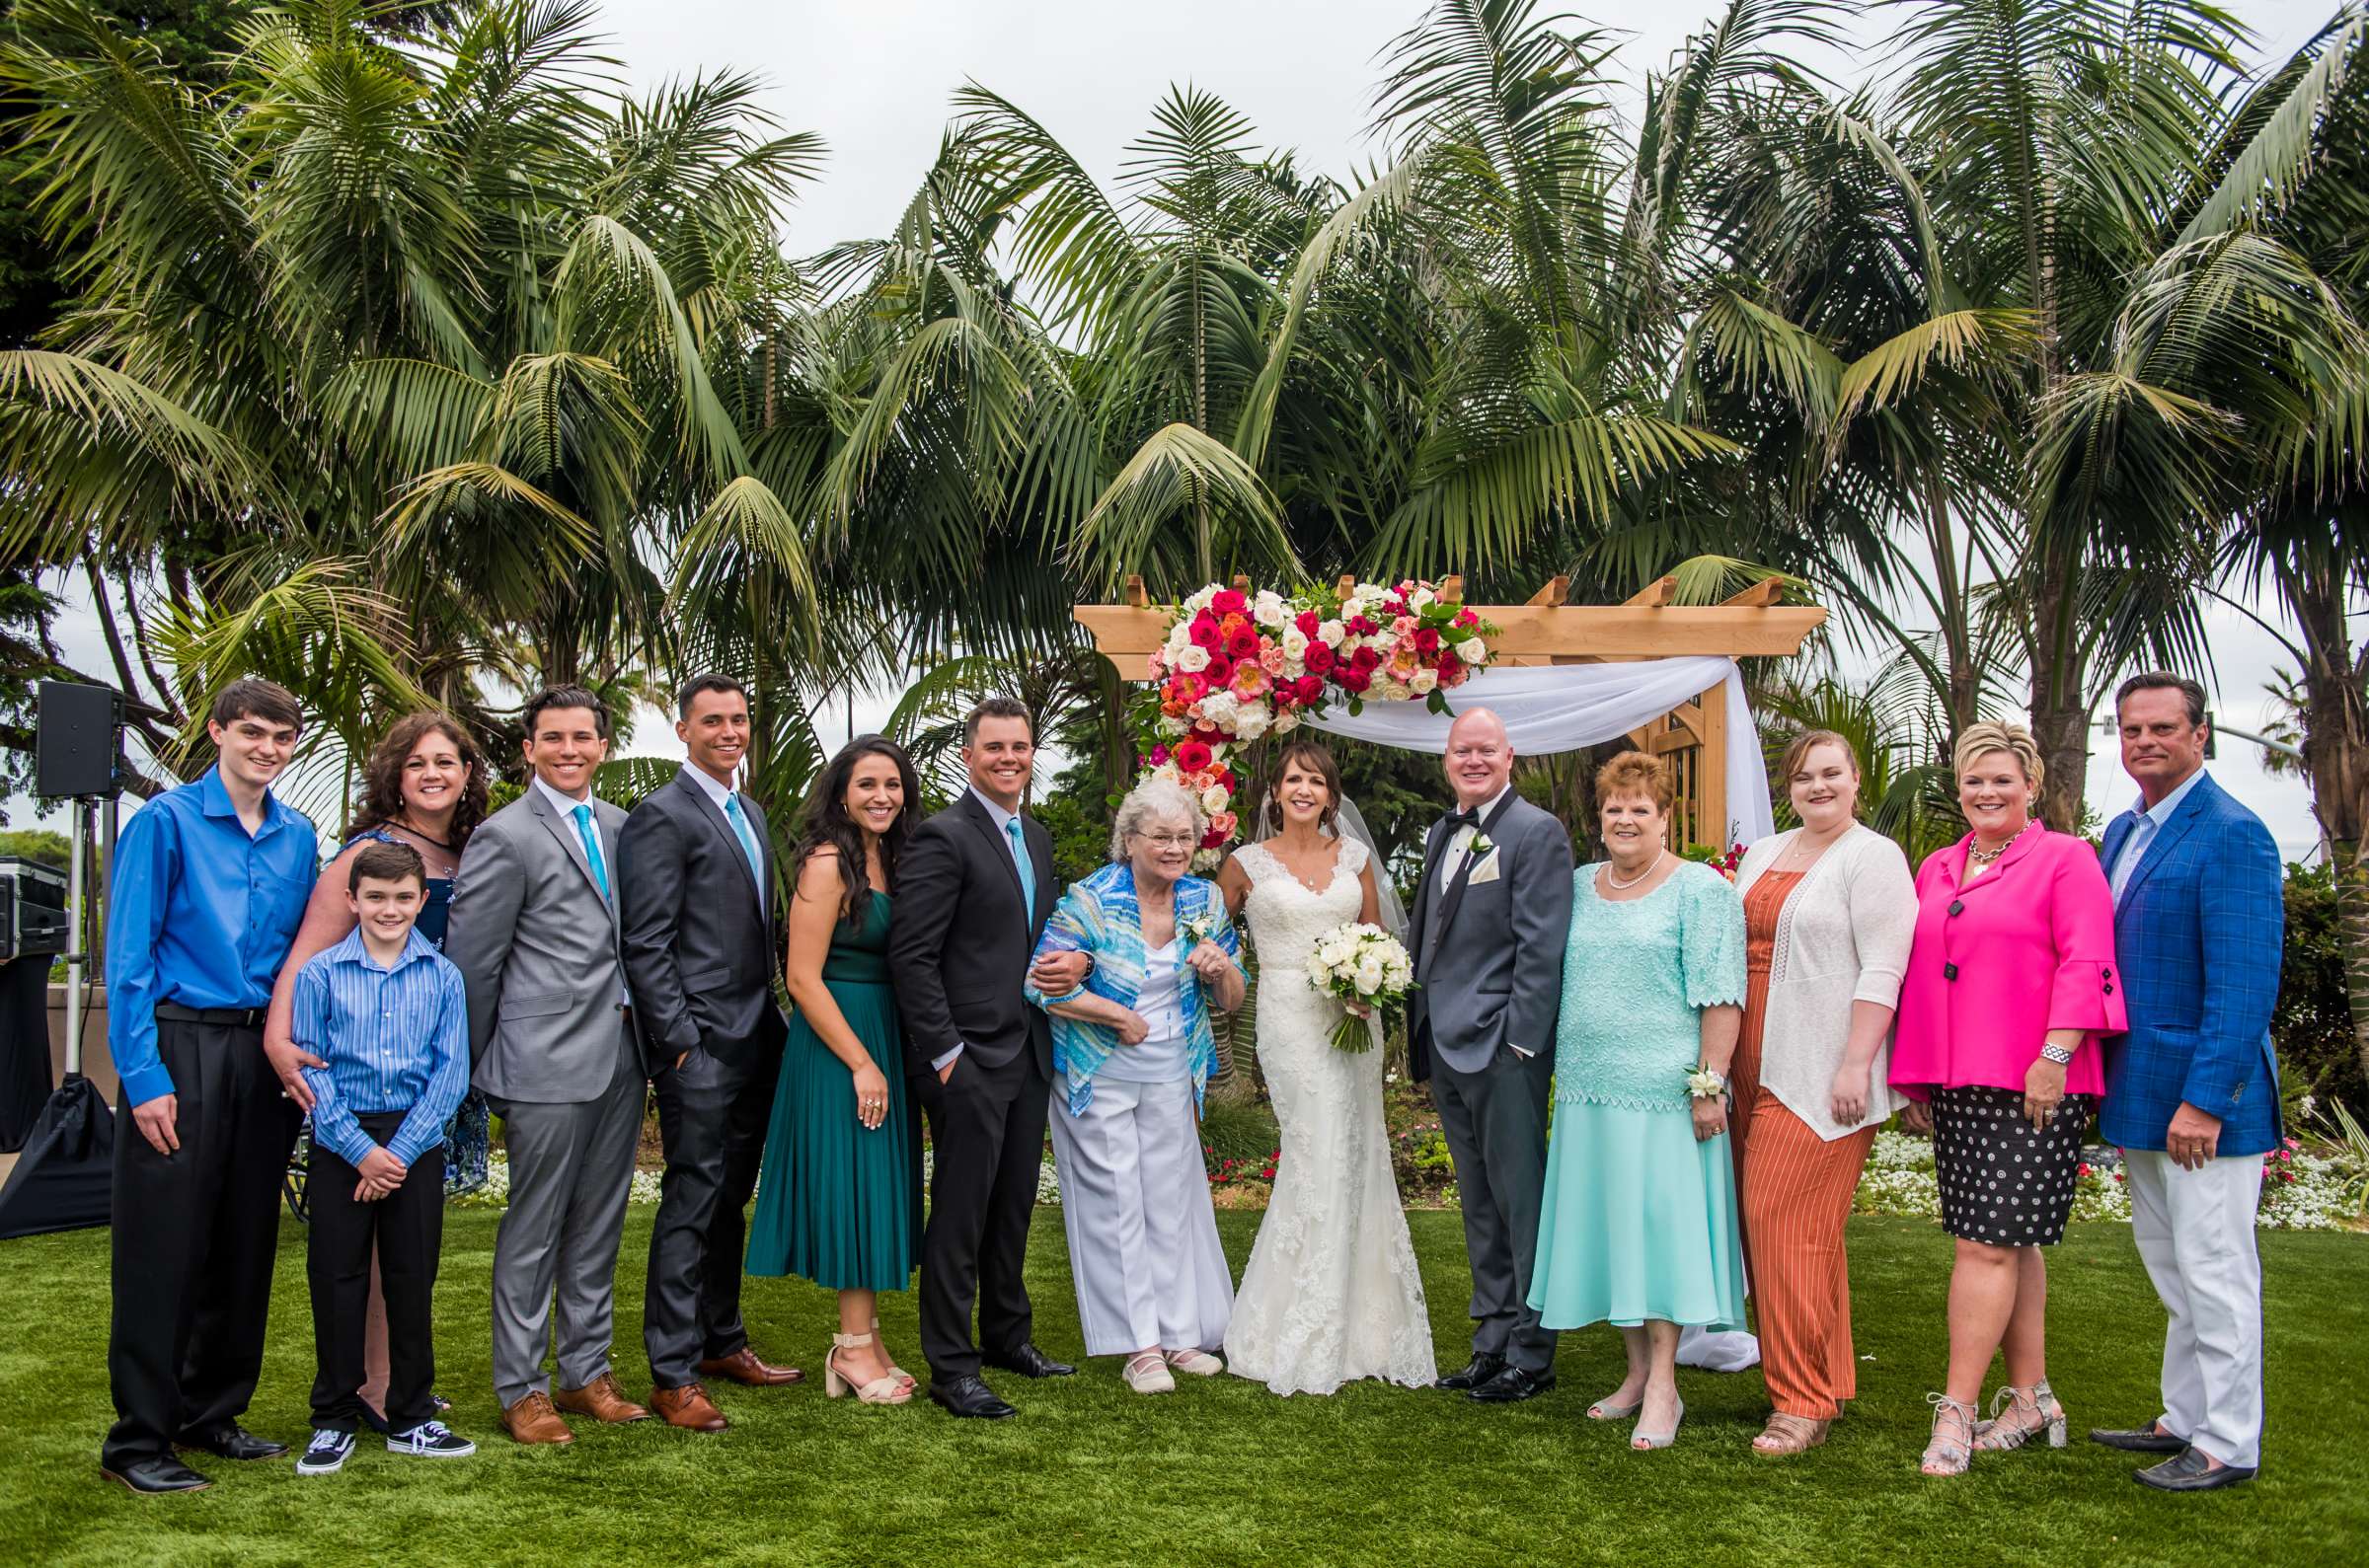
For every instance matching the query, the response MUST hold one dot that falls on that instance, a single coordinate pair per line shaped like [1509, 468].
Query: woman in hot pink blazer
[2011, 978]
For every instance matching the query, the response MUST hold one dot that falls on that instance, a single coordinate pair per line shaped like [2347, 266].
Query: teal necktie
[584, 830]
[1027, 870]
[749, 842]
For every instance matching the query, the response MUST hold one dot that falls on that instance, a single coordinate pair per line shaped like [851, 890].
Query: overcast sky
[876, 77]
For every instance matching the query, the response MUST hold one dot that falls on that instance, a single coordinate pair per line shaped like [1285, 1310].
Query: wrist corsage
[1703, 1084]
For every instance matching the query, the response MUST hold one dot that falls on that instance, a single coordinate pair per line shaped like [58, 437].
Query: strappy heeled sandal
[1789, 1434]
[2009, 1428]
[1948, 1452]
[894, 1371]
[883, 1390]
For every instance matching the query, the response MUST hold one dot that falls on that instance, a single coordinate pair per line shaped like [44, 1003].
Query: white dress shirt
[565, 804]
[722, 793]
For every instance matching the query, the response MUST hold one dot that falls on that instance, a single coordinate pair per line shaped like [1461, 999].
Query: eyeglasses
[1168, 841]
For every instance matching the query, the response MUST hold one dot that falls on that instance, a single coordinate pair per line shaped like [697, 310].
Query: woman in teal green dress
[839, 1202]
[1637, 1227]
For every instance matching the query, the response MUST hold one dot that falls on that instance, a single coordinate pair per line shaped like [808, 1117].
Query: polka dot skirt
[2002, 1183]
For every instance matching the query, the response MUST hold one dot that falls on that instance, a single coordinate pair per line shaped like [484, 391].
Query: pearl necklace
[1619, 886]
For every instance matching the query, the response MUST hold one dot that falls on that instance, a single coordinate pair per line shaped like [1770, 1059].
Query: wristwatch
[2058, 1054]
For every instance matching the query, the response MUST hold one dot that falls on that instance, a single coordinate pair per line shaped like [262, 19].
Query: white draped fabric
[1565, 706]
[1562, 707]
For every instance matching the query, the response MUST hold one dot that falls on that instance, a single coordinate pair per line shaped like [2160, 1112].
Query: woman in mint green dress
[839, 1202]
[1638, 1224]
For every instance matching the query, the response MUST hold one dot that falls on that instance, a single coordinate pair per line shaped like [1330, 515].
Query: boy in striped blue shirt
[387, 1015]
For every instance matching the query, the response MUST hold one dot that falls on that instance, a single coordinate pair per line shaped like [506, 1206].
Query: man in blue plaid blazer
[2192, 1092]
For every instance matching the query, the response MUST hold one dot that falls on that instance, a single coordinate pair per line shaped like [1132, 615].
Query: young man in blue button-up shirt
[389, 1019]
[210, 881]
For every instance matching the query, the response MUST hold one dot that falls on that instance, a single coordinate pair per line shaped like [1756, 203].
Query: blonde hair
[1634, 772]
[1808, 741]
[1977, 741]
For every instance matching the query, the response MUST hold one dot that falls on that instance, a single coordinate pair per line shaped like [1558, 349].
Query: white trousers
[2195, 1234]
[1143, 1243]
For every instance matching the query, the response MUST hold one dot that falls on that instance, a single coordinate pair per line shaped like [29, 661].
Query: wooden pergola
[1693, 736]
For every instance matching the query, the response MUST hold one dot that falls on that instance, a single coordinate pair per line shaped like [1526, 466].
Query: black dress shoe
[233, 1441]
[2190, 1471]
[157, 1476]
[1513, 1385]
[1029, 1362]
[1476, 1371]
[969, 1396]
[2138, 1439]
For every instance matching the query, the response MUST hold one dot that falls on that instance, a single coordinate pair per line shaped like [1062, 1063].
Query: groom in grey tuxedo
[534, 929]
[1489, 926]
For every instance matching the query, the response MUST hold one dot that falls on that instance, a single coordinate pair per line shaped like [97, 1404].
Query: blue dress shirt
[2145, 822]
[200, 913]
[395, 1039]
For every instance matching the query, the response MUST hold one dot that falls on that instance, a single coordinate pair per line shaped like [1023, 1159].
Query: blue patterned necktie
[584, 830]
[1027, 868]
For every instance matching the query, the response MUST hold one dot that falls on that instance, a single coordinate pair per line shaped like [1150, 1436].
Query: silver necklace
[1982, 857]
[1620, 886]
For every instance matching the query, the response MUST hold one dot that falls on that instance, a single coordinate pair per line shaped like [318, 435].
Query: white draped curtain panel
[1565, 706]
[1561, 708]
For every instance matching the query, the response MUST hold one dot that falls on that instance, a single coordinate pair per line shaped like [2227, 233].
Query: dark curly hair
[382, 775]
[825, 823]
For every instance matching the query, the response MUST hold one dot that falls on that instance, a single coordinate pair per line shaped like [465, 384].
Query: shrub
[2313, 1027]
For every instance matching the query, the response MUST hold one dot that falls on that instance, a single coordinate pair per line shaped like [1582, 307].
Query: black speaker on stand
[62, 1181]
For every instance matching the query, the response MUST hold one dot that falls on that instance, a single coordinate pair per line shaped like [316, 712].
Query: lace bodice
[1636, 975]
[1331, 1292]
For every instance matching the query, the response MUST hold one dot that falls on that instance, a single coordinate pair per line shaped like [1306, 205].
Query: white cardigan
[1843, 936]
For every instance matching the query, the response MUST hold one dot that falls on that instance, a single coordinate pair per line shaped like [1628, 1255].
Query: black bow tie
[1467, 818]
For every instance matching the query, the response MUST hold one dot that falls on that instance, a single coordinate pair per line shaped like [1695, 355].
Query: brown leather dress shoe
[688, 1407]
[743, 1367]
[533, 1420]
[601, 1400]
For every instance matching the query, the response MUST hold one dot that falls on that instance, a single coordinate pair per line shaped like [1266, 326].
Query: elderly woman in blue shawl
[1132, 1050]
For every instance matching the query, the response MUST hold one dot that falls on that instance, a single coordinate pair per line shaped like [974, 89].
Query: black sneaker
[327, 1453]
[432, 1440]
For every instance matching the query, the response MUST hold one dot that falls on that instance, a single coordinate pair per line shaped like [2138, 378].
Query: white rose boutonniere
[1479, 849]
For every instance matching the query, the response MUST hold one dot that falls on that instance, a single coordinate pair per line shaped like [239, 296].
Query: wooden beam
[1552, 594]
[1346, 587]
[1138, 597]
[1242, 584]
[1654, 593]
[1711, 771]
[1761, 593]
[1452, 590]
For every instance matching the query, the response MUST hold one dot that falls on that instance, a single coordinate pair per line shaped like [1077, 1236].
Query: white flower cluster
[1361, 961]
[496, 1193]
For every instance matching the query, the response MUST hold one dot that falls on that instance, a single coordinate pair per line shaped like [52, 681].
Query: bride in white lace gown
[1331, 1294]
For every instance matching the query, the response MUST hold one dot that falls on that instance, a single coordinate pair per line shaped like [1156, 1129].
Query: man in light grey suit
[1490, 921]
[534, 929]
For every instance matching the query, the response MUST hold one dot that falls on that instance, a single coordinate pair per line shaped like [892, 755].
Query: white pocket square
[1485, 871]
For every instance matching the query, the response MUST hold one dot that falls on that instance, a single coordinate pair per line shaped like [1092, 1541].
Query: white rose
[1199, 601]
[1250, 720]
[1329, 633]
[1472, 652]
[1420, 597]
[1295, 644]
[1192, 659]
[1287, 721]
[1369, 976]
[1422, 680]
[1214, 798]
[1352, 607]
[1268, 609]
[1170, 771]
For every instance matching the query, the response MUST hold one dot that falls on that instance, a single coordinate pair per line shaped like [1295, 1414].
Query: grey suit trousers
[1495, 1124]
[571, 1168]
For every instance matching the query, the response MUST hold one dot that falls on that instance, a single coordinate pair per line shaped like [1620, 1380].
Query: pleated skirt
[840, 1204]
[1639, 1222]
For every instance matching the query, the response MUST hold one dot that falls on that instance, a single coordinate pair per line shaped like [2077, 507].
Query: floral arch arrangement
[1238, 665]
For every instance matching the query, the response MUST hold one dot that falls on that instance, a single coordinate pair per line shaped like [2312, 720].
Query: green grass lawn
[1221, 1471]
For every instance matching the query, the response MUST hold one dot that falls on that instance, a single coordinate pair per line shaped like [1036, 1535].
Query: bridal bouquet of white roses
[1364, 964]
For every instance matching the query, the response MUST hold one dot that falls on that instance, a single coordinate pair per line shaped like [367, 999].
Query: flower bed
[2302, 1189]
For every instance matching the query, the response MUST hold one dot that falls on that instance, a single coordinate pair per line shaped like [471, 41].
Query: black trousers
[407, 1229]
[987, 1140]
[196, 1235]
[713, 1113]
